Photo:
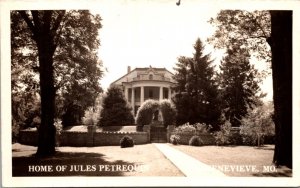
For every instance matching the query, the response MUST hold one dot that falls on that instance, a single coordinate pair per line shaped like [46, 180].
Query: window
[150, 77]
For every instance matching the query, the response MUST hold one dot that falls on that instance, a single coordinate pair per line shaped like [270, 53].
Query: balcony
[151, 77]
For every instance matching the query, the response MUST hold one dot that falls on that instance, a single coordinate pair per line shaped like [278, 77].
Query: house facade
[141, 84]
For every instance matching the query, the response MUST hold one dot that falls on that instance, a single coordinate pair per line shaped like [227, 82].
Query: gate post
[170, 129]
[146, 128]
[90, 135]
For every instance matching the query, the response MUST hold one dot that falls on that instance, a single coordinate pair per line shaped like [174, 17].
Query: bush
[202, 128]
[174, 139]
[126, 142]
[145, 112]
[223, 136]
[168, 111]
[197, 128]
[185, 128]
[196, 141]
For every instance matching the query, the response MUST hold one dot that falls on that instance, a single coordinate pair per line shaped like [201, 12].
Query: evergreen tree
[238, 84]
[196, 97]
[116, 110]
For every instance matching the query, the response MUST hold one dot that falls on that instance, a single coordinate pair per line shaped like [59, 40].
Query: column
[132, 99]
[169, 95]
[142, 94]
[126, 93]
[160, 93]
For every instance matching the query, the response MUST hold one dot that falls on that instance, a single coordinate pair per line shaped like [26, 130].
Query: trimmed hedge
[126, 142]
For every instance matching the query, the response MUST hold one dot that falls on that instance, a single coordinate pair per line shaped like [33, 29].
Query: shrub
[168, 111]
[145, 112]
[174, 139]
[185, 128]
[223, 136]
[202, 127]
[195, 141]
[126, 142]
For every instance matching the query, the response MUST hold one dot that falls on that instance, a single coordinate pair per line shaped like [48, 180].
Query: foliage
[238, 84]
[61, 47]
[126, 142]
[202, 128]
[185, 129]
[174, 139]
[58, 127]
[258, 122]
[91, 115]
[228, 135]
[116, 110]
[145, 112]
[195, 129]
[243, 28]
[223, 136]
[195, 141]
[168, 111]
[196, 97]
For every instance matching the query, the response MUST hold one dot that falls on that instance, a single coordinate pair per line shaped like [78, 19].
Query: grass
[237, 156]
[146, 158]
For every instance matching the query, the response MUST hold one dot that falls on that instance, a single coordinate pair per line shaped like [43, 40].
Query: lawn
[140, 160]
[237, 160]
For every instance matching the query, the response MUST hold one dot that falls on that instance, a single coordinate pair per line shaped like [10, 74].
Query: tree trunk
[281, 47]
[46, 140]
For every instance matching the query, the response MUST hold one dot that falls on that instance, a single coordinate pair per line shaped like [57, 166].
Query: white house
[141, 84]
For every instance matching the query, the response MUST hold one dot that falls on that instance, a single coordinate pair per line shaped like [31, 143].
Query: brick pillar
[146, 128]
[170, 129]
[90, 135]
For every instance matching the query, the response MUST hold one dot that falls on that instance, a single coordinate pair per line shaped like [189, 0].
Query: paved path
[188, 165]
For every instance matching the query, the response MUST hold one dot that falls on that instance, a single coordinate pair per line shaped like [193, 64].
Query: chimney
[128, 69]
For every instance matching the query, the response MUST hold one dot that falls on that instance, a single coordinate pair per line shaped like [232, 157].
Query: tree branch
[36, 21]
[58, 21]
[28, 22]
[258, 25]
[56, 26]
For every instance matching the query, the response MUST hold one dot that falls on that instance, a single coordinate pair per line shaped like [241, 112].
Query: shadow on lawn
[87, 164]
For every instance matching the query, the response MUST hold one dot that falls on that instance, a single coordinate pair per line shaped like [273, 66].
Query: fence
[89, 138]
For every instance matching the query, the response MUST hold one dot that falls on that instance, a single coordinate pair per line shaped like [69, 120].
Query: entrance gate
[158, 134]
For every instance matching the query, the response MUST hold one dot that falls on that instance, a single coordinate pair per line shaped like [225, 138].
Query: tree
[238, 84]
[281, 47]
[61, 47]
[260, 30]
[196, 97]
[116, 110]
[258, 123]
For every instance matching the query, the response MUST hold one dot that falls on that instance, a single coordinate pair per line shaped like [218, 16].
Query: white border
[8, 180]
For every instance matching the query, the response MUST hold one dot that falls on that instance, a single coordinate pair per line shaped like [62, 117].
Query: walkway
[188, 165]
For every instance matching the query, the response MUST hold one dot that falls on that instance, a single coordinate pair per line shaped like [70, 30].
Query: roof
[142, 69]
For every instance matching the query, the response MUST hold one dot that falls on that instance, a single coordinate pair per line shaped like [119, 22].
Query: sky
[140, 33]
